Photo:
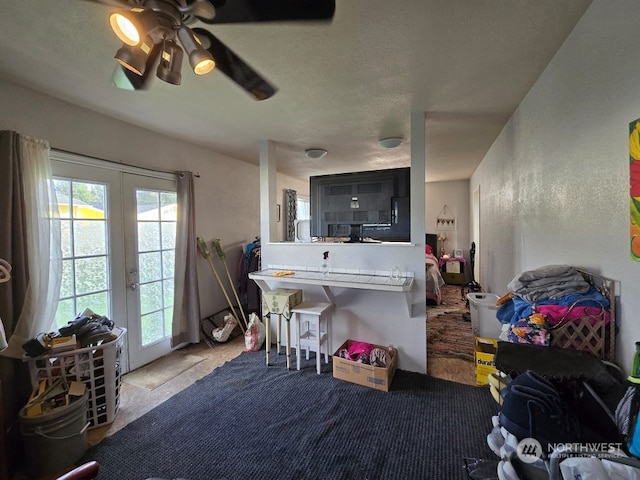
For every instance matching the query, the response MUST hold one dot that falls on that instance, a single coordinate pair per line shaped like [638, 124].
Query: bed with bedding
[434, 280]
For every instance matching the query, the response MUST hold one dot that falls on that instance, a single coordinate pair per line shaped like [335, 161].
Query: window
[82, 207]
[303, 206]
[156, 224]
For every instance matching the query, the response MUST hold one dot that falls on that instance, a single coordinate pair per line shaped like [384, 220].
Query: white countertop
[346, 280]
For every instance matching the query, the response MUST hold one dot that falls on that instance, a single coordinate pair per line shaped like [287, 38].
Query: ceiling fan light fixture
[390, 142]
[132, 26]
[315, 153]
[201, 60]
[170, 66]
[202, 63]
[135, 58]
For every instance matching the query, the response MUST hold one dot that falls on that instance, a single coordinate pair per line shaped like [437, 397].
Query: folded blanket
[550, 281]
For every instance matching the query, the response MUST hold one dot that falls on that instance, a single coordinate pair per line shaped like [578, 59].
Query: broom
[223, 258]
[204, 250]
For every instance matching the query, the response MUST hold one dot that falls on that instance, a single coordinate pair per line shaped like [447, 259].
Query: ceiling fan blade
[234, 67]
[125, 79]
[249, 11]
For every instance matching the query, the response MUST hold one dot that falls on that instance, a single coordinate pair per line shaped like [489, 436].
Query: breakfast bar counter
[297, 278]
[402, 284]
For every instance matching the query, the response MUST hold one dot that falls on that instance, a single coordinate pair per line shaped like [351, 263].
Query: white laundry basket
[482, 307]
[98, 367]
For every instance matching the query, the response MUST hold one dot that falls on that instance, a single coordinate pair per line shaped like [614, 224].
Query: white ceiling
[342, 85]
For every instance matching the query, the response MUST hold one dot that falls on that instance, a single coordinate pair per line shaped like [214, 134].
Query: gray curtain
[291, 207]
[12, 241]
[29, 241]
[186, 306]
[12, 293]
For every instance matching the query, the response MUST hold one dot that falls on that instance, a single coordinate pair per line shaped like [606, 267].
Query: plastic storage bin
[98, 367]
[482, 307]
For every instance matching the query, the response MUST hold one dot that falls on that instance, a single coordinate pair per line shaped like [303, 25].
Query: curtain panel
[186, 303]
[291, 203]
[31, 240]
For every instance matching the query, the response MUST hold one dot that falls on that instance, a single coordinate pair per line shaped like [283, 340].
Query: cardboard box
[378, 378]
[485, 352]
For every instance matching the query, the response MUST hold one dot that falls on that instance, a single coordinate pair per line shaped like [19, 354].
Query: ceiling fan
[157, 34]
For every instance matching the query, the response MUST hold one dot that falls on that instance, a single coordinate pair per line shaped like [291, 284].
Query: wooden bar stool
[313, 320]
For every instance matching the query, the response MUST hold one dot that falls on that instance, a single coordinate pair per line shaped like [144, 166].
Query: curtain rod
[75, 158]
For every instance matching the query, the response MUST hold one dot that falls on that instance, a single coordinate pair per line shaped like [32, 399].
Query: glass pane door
[151, 203]
[118, 241]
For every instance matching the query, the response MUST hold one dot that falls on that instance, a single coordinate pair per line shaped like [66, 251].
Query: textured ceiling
[341, 85]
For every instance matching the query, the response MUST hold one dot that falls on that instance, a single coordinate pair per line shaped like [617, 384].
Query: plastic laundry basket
[482, 307]
[55, 439]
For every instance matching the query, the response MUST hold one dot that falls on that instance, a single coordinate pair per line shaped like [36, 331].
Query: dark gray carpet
[249, 421]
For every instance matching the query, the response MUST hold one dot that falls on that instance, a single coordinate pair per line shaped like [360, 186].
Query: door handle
[133, 273]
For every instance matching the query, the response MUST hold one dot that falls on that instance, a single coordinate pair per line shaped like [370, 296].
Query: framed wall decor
[446, 220]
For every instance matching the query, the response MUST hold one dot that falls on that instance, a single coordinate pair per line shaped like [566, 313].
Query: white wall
[555, 184]
[455, 195]
[227, 194]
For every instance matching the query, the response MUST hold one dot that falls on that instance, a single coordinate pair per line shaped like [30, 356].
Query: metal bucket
[56, 439]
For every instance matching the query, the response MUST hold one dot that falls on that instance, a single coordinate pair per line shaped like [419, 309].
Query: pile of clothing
[540, 299]
[366, 353]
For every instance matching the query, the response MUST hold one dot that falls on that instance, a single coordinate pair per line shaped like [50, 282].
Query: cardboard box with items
[377, 373]
[485, 352]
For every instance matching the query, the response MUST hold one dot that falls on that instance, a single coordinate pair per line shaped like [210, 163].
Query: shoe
[495, 440]
[94, 333]
[495, 421]
[74, 325]
[533, 380]
[530, 413]
[506, 471]
[510, 441]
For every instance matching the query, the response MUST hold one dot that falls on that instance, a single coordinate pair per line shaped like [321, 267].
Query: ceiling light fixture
[170, 63]
[391, 142]
[315, 153]
[131, 26]
[143, 29]
[135, 58]
[201, 60]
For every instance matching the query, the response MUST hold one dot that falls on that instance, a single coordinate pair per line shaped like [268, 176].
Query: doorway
[118, 243]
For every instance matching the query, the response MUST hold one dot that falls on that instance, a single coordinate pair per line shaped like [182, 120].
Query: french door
[118, 242]
[150, 239]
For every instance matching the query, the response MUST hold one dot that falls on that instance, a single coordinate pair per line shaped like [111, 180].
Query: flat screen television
[362, 205]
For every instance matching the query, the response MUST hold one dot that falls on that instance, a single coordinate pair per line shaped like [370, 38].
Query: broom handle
[202, 246]
[218, 246]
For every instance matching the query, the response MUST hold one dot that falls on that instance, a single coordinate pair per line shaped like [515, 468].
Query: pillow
[533, 330]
